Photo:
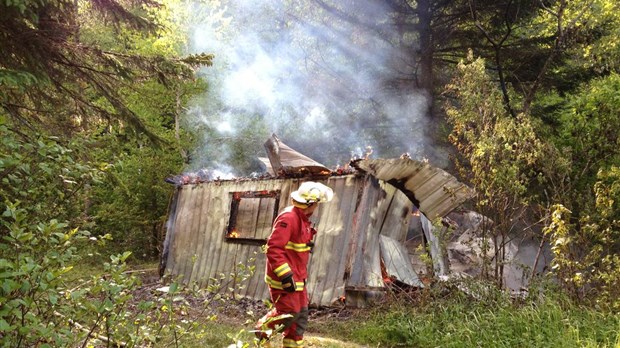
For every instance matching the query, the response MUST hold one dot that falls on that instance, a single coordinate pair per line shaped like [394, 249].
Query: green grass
[446, 324]
[437, 318]
[209, 334]
[457, 322]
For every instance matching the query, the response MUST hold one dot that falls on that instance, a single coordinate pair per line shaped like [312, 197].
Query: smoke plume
[321, 75]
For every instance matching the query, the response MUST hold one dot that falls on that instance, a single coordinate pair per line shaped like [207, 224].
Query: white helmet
[312, 192]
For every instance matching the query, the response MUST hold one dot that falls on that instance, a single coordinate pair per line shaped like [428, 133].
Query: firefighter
[288, 251]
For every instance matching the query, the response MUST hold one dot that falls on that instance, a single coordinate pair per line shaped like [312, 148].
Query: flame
[343, 170]
[368, 152]
[233, 234]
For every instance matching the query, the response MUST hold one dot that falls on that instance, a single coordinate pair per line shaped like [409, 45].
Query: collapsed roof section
[432, 190]
[289, 163]
[435, 192]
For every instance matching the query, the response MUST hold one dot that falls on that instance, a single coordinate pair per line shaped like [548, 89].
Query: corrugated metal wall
[198, 251]
[383, 210]
[346, 255]
[326, 280]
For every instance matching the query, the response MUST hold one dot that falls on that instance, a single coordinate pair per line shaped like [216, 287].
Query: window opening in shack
[251, 216]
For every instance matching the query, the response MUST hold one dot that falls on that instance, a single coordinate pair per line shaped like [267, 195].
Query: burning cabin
[214, 226]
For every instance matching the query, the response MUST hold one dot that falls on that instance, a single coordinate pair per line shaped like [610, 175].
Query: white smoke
[316, 80]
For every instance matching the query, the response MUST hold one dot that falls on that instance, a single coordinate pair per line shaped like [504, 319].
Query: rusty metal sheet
[267, 164]
[434, 191]
[439, 258]
[285, 160]
[397, 263]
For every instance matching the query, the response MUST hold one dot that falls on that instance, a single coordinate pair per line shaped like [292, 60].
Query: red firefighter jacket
[288, 250]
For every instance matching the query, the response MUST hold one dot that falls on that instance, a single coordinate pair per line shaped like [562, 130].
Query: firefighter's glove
[311, 246]
[288, 283]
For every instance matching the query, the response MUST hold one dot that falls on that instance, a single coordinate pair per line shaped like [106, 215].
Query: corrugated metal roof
[434, 191]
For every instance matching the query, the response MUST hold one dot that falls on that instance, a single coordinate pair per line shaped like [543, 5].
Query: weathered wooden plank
[186, 267]
[247, 252]
[384, 205]
[352, 273]
[453, 195]
[238, 255]
[190, 237]
[171, 263]
[354, 185]
[438, 201]
[258, 280]
[210, 234]
[371, 255]
[251, 283]
[181, 223]
[366, 269]
[265, 219]
[419, 181]
[318, 264]
[214, 233]
[425, 182]
[246, 218]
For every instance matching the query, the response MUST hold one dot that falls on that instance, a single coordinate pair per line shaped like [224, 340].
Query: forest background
[102, 100]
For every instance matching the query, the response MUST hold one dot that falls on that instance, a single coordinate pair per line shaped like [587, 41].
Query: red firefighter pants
[295, 304]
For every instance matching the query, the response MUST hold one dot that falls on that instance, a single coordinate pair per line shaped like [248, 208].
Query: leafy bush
[46, 304]
[45, 176]
[499, 155]
[130, 203]
[519, 177]
[40, 307]
[455, 319]
[35, 259]
[587, 263]
[44, 301]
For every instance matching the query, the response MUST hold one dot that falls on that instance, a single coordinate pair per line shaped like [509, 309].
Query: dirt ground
[322, 342]
[241, 312]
